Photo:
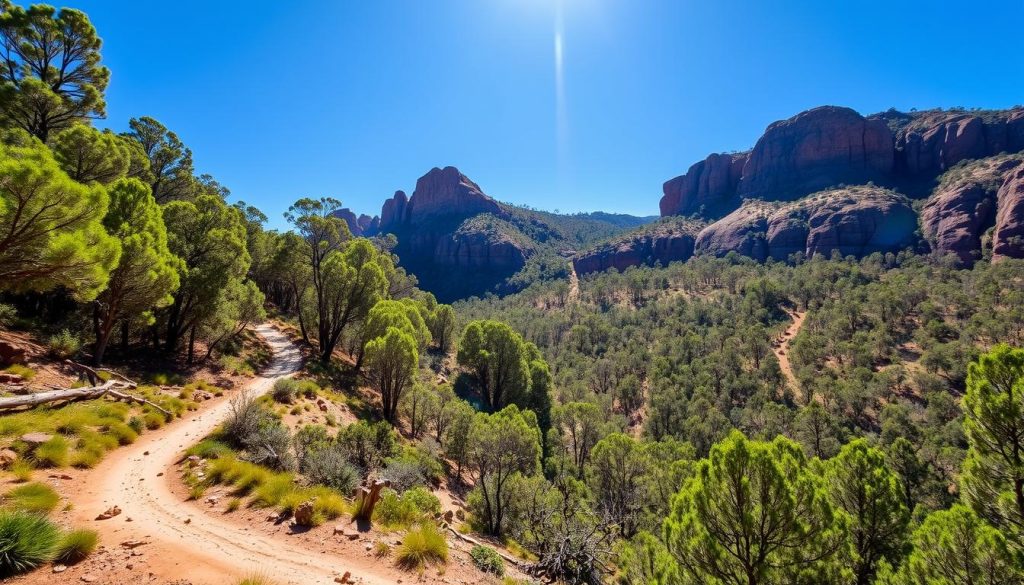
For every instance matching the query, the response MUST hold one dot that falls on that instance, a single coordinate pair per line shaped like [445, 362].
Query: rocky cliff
[362, 225]
[668, 240]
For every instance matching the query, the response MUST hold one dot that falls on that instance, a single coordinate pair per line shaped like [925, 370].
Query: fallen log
[466, 538]
[112, 387]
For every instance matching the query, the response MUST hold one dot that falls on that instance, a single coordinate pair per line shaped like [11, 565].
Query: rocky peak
[439, 193]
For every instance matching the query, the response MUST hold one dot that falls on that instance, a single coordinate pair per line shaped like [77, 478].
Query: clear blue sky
[356, 99]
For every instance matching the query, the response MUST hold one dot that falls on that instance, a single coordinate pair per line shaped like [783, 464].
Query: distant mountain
[831, 180]
[460, 242]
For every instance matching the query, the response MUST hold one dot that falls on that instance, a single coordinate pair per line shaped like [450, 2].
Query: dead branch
[113, 388]
[515, 562]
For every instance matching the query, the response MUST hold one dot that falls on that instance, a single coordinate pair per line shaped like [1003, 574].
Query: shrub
[257, 579]
[394, 510]
[234, 504]
[25, 372]
[53, 453]
[63, 345]
[368, 444]
[421, 545]
[285, 390]
[258, 433]
[404, 474]
[26, 541]
[487, 560]
[8, 315]
[210, 449]
[76, 545]
[37, 498]
[330, 467]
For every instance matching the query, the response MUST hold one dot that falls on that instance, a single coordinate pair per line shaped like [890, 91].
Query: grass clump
[22, 470]
[76, 546]
[381, 549]
[210, 449]
[53, 453]
[487, 560]
[36, 498]
[26, 541]
[401, 511]
[257, 579]
[63, 345]
[234, 504]
[423, 544]
[25, 372]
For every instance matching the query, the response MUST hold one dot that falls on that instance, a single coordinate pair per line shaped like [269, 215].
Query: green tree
[993, 474]
[501, 445]
[238, 306]
[170, 161]
[392, 360]
[147, 272]
[956, 547]
[51, 75]
[209, 237]
[616, 473]
[442, 326]
[577, 427]
[861, 484]
[754, 513]
[497, 356]
[51, 230]
[88, 155]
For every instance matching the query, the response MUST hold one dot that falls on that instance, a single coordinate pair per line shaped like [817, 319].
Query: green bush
[210, 449]
[396, 511]
[285, 390]
[76, 545]
[37, 498]
[8, 315]
[421, 545]
[63, 345]
[26, 541]
[487, 560]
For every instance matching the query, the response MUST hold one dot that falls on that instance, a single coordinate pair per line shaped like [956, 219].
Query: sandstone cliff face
[935, 141]
[441, 193]
[393, 211]
[853, 221]
[488, 251]
[668, 241]
[814, 150]
[709, 184]
[1008, 238]
[361, 226]
[963, 207]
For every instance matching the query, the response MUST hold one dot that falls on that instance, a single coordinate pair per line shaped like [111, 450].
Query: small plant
[63, 345]
[76, 545]
[25, 372]
[26, 541]
[234, 504]
[209, 449]
[8, 315]
[487, 560]
[421, 545]
[285, 390]
[381, 549]
[37, 498]
[195, 492]
[22, 470]
[257, 579]
[53, 453]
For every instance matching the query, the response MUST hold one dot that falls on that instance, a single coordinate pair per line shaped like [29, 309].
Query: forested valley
[714, 421]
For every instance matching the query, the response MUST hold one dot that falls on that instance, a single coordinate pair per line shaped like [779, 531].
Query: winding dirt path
[184, 543]
[782, 348]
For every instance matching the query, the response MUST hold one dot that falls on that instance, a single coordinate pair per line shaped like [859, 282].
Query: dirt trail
[574, 283]
[781, 347]
[184, 543]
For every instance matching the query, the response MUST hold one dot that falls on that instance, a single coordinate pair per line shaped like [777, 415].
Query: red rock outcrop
[853, 221]
[708, 184]
[667, 241]
[932, 142]
[480, 250]
[1008, 238]
[361, 226]
[963, 207]
[392, 213]
[814, 150]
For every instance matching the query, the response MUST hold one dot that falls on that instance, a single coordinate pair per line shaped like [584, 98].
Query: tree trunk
[191, 344]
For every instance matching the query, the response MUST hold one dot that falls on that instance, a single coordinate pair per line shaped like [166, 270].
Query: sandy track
[184, 543]
[782, 348]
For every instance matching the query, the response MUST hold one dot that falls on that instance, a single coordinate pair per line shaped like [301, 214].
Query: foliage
[52, 76]
[50, 226]
[76, 546]
[398, 510]
[487, 560]
[35, 498]
[392, 360]
[26, 541]
[421, 545]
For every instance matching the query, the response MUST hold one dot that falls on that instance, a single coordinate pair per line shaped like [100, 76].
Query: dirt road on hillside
[182, 544]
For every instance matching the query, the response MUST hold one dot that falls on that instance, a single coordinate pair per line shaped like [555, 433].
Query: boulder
[1008, 238]
[963, 207]
[814, 150]
[707, 186]
[7, 458]
[11, 353]
[303, 513]
[742, 231]
[35, 439]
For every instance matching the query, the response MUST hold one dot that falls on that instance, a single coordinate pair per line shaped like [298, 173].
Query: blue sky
[280, 100]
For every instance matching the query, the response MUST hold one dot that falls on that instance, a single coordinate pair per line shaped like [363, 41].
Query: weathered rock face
[393, 211]
[709, 184]
[441, 193]
[814, 150]
[361, 226]
[1008, 239]
[665, 242]
[853, 221]
[933, 142]
[963, 207]
[480, 250]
